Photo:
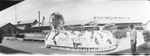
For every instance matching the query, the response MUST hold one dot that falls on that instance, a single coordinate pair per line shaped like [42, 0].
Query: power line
[15, 13]
[49, 6]
[53, 4]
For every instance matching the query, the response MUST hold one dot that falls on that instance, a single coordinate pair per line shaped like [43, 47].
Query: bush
[20, 36]
[120, 34]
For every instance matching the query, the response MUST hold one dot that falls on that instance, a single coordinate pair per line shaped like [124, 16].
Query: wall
[7, 27]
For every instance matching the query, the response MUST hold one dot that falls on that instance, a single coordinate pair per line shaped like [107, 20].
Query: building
[25, 26]
[138, 25]
[119, 23]
[69, 25]
[9, 28]
[43, 27]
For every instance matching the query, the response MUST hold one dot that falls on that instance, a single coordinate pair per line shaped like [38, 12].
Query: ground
[30, 47]
[17, 47]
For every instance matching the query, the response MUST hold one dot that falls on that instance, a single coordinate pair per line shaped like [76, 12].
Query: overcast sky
[137, 10]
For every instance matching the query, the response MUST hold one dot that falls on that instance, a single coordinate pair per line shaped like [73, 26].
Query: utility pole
[39, 19]
[43, 21]
[15, 13]
[15, 31]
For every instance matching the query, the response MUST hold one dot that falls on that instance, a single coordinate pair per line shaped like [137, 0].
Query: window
[9, 31]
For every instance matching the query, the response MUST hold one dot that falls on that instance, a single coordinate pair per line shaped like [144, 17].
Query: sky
[137, 10]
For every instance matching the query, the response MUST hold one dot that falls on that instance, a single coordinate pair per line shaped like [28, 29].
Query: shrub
[20, 36]
[119, 34]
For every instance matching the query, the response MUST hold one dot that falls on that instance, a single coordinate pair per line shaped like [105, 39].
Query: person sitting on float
[101, 28]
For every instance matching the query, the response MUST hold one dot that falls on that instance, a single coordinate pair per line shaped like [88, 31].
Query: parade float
[90, 37]
[92, 41]
[101, 36]
[82, 40]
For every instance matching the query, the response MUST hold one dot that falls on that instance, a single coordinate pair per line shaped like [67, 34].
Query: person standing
[133, 35]
[57, 24]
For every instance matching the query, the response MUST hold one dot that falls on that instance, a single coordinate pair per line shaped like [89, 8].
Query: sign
[111, 17]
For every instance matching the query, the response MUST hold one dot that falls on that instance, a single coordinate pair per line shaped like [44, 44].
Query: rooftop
[3, 24]
[44, 24]
[27, 21]
[102, 21]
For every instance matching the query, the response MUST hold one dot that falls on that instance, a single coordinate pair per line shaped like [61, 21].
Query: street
[30, 47]
[24, 47]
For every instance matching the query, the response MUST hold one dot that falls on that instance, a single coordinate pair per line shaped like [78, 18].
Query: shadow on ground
[124, 52]
[6, 50]
[128, 52]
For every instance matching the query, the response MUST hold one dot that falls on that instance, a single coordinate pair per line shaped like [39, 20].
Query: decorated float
[89, 37]
[92, 37]
[82, 40]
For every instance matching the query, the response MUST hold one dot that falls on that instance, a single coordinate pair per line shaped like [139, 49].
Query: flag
[43, 20]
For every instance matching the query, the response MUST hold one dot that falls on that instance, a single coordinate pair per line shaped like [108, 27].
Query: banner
[86, 40]
[85, 49]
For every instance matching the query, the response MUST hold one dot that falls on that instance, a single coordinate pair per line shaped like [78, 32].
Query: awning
[7, 3]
